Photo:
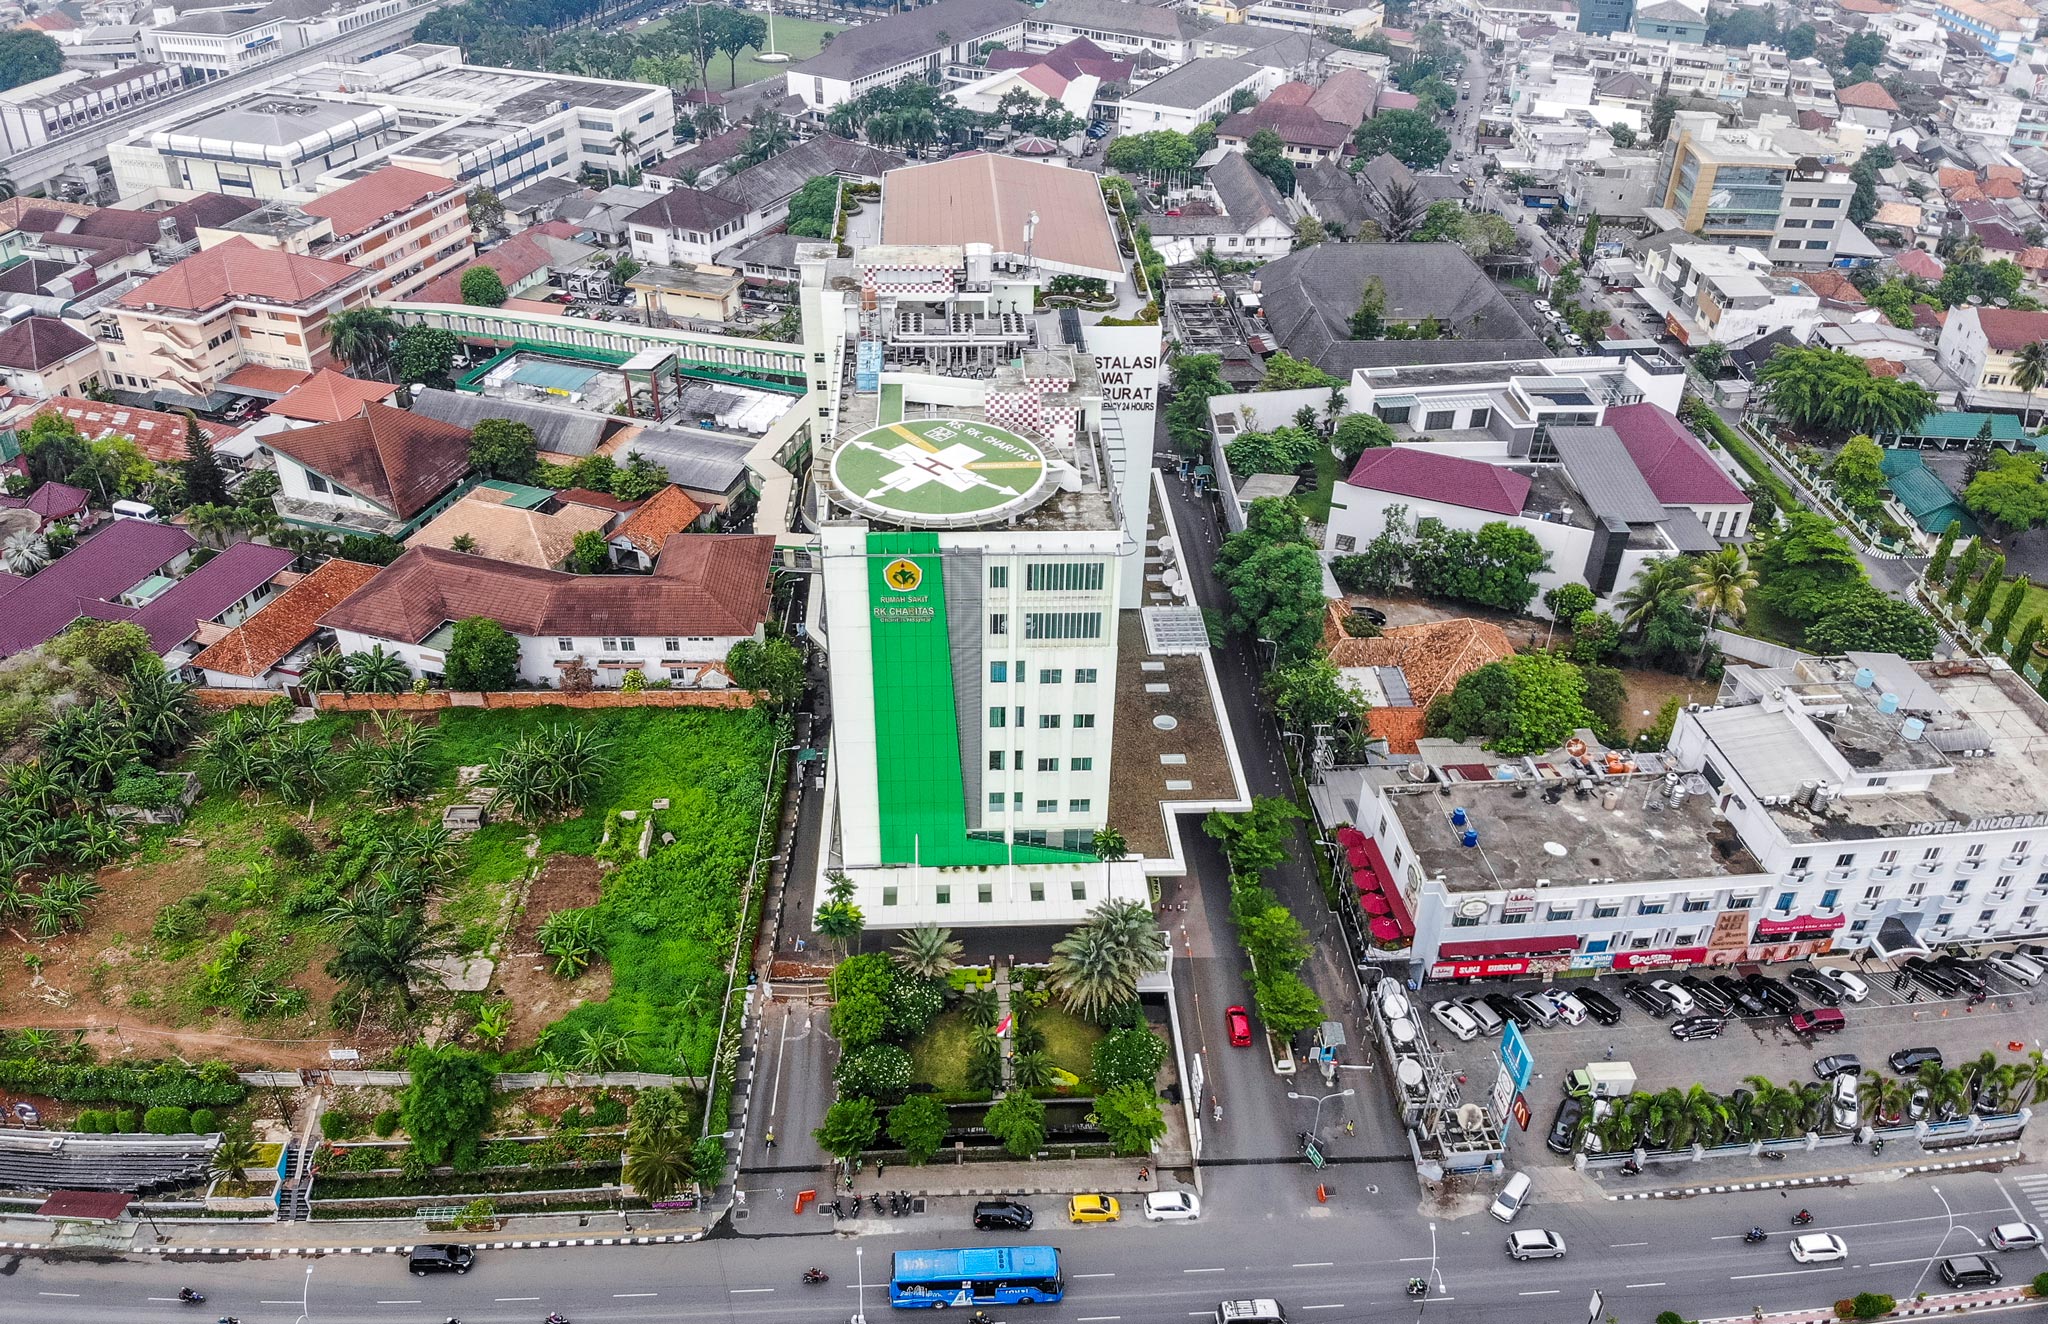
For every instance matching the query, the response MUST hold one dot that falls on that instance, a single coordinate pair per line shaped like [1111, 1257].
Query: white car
[1455, 1019]
[1543, 305]
[1511, 1198]
[1819, 1248]
[1569, 1009]
[1575, 340]
[1852, 986]
[1682, 1000]
[2015, 1236]
[1848, 1099]
[1172, 1206]
[1535, 1244]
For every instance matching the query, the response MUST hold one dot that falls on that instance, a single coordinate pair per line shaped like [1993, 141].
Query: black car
[1773, 994]
[1740, 999]
[1908, 1060]
[1507, 1009]
[1598, 1005]
[1970, 1271]
[1565, 1129]
[442, 1259]
[1708, 997]
[1649, 999]
[1002, 1216]
[1816, 986]
[1835, 1064]
[1933, 976]
[1689, 1028]
[1966, 974]
[1373, 615]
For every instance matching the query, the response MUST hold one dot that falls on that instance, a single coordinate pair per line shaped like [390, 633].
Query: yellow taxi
[1093, 1209]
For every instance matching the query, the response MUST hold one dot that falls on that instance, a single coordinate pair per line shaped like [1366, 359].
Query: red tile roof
[286, 621]
[514, 260]
[329, 397]
[1401, 728]
[35, 343]
[2007, 330]
[1919, 262]
[1885, 367]
[1949, 177]
[583, 496]
[707, 585]
[1679, 469]
[399, 460]
[662, 516]
[239, 269]
[1865, 7]
[160, 435]
[359, 207]
[1866, 96]
[1834, 286]
[1433, 655]
[1406, 471]
[262, 377]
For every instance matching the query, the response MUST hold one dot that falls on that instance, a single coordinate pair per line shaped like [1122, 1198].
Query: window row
[1001, 760]
[999, 803]
[999, 716]
[985, 893]
[999, 674]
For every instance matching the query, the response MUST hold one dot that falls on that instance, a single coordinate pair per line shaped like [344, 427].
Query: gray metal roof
[1686, 532]
[1605, 474]
[1764, 749]
[702, 461]
[1195, 84]
[887, 42]
[560, 431]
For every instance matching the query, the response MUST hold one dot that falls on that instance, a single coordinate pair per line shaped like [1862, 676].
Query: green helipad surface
[939, 470]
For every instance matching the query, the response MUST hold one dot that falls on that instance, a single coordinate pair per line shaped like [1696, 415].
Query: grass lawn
[798, 38]
[2036, 604]
[1764, 623]
[939, 1058]
[1069, 1040]
[1316, 504]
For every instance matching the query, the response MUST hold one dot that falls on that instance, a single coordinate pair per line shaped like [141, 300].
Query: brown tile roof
[514, 260]
[358, 207]
[239, 269]
[1831, 285]
[329, 397]
[286, 621]
[988, 199]
[662, 516]
[1949, 177]
[160, 435]
[2012, 173]
[1919, 262]
[1885, 367]
[1433, 655]
[262, 377]
[705, 584]
[2007, 330]
[1401, 728]
[1866, 96]
[508, 533]
[583, 496]
[399, 460]
[2000, 188]
[1865, 7]
[12, 210]
[35, 343]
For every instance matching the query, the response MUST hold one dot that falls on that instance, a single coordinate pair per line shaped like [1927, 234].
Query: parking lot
[1886, 1021]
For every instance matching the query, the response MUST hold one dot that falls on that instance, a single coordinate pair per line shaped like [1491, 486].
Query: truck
[1602, 1080]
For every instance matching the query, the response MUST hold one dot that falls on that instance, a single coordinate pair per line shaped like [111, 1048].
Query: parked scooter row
[898, 1204]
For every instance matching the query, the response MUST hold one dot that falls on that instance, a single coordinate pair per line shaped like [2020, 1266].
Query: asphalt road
[1340, 1262]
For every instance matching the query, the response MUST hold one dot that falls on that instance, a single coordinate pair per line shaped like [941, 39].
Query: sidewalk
[215, 1236]
[1948, 1303]
[769, 1207]
[1678, 1181]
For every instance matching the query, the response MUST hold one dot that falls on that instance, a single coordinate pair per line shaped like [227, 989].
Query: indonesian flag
[1003, 1026]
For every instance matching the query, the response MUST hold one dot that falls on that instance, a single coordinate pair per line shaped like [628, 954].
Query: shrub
[878, 1071]
[1871, 1305]
[610, 1110]
[385, 1124]
[1670, 1317]
[210, 1084]
[914, 1004]
[338, 1125]
[127, 1121]
[1127, 1057]
[167, 1121]
[204, 1122]
[93, 1122]
[1845, 1308]
[2041, 1284]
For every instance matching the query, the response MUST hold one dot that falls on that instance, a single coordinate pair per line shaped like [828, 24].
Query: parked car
[1932, 975]
[1094, 1209]
[1003, 1216]
[1916, 1105]
[1172, 1206]
[1848, 1100]
[2018, 967]
[2015, 1236]
[1965, 974]
[1814, 985]
[1711, 999]
[1682, 1000]
[1240, 1024]
[1564, 1127]
[1455, 1019]
[1535, 1244]
[1740, 999]
[1834, 1064]
[1971, 1271]
[1821, 1020]
[1483, 1015]
[1773, 994]
[1649, 999]
[1819, 1248]
[1569, 1009]
[1908, 1060]
[1539, 1008]
[1852, 985]
[1511, 1198]
[1598, 1005]
[1509, 1009]
[1542, 305]
[1693, 1028]
[441, 1259]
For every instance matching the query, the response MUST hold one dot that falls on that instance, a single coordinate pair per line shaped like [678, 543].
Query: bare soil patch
[524, 978]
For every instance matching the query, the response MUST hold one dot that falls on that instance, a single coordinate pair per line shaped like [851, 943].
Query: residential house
[1678, 468]
[160, 436]
[711, 469]
[916, 43]
[637, 542]
[528, 263]
[211, 600]
[707, 593]
[1868, 104]
[1313, 123]
[564, 434]
[1670, 20]
[384, 471]
[52, 502]
[329, 397]
[1727, 295]
[1198, 90]
[1244, 216]
[1118, 26]
[268, 650]
[1979, 348]
[504, 529]
[44, 357]
[687, 226]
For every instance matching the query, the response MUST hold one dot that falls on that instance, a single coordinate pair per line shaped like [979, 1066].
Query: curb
[1947, 1306]
[1826, 1179]
[281, 1252]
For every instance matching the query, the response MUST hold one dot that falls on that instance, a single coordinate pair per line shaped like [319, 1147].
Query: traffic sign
[1515, 1055]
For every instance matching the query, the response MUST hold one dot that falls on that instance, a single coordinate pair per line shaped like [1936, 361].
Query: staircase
[295, 1196]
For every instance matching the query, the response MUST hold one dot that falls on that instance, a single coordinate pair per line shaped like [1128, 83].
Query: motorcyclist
[1755, 1234]
[1802, 1217]
[1416, 1287]
[187, 1294]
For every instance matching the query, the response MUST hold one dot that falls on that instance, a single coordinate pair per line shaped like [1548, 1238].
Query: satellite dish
[1471, 1116]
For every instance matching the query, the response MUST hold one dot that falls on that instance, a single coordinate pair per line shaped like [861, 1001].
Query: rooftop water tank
[1887, 703]
[1913, 729]
[1865, 678]
[1458, 816]
[1471, 837]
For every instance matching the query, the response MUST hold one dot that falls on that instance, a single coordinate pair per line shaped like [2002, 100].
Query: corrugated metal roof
[1605, 474]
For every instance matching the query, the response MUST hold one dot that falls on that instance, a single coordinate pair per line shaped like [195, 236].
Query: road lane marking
[271, 1303]
[1091, 1275]
[1319, 1264]
[1632, 1285]
[1548, 1291]
[75, 1294]
[381, 1303]
[1338, 1306]
[1415, 1259]
[1100, 1319]
[1886, 1264]
[619, 1296]
[1783, 1273]
[173, 1298]
[737, 1291]
[1624, 1245]
[1202, 1270]
[503, 1299]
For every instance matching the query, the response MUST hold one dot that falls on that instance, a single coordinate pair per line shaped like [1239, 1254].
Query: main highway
[1261, 1234]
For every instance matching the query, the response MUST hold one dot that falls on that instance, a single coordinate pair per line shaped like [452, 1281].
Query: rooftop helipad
[939, 471]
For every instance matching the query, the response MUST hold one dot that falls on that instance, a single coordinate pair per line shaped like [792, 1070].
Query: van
[1262, 1311]
[1820, 1020]
[2020, 968]
[1598, 1005]
[1511, 1198]
[141, 510]
[441, 1259]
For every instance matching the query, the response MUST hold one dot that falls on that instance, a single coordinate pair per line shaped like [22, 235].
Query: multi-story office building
[1746, 186]
[47, 109]
[408, 226]
[1599, 17]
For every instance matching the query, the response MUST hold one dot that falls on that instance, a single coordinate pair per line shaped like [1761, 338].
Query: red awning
[1458, 951]
[1350, 836]
[1390, 887]
[1365, 880]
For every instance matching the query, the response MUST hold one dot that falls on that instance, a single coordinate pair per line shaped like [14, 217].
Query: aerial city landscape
[1253, 661]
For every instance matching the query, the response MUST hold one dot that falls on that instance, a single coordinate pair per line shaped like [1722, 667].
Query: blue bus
[976, 1276]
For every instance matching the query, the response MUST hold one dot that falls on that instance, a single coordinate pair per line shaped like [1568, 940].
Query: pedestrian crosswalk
[2033, 1189]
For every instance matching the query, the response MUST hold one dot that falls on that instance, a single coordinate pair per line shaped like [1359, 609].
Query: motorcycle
[1801, 1219]
[1877, 1146]
[816, 1276]
[1631, 1168]
[190, 1297]
[554, 1319]
[1775, 1156]
[875, 1199]
[1417, 1287]
[1754, 1235]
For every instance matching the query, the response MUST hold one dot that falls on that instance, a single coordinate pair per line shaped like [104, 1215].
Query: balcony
[1884, 871]
[1928, 869]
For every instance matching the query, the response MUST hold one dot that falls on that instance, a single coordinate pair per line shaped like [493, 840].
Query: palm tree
[626, 144]
[1659, 579]
[928, 952]
[707, 120]
[1097, 966]
[24, 552]
[1109, 846]
[377, 672]
[381, 954]
[1032, 1071]
[2030, 368]
[600, 1050]
[1720, 585]
[325, 670]
[770, 137]
[362, 335]
[841, 921]
[659, 1165]
[235, 1152]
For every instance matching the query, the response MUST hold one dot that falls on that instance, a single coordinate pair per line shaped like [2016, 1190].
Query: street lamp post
[1315, 1127]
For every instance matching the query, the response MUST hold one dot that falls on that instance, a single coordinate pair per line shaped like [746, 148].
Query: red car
[1240, 1027]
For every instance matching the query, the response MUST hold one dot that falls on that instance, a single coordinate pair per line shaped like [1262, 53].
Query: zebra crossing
[2032, 1187]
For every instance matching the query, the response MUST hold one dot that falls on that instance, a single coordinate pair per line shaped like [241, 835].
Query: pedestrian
[1144, 1175]
[878, 1169]
[1610, 1052]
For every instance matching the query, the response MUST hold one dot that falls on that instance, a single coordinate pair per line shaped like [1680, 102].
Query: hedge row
[164, 1085]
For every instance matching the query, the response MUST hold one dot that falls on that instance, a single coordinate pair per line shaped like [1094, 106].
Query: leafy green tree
[1369, 319]
[482, 655]
[1311, 692]
[589, 553]
[2002, 619]
[1875, 622]
[1528, 704]
[1132, 1055]
[1284, 450]
[773, 664]
[1284, 372]
[1494, 566]
[1858, 474]
[1194, 379]
[1018, 1120]
[879, 1071]
[1285, 1004]
[1965, 573]
[1358, 433]
[1937, 566]
[640, 479]
[1980, 601]
[814, 211]
[1410, 136]
[1805, 568]
[1265, 153]
[849, 1130]
[425, 355]
[2022, 654]
[447, 1106]
[2010, 491]
[1277, 593]
[1865, 48]
[1662, 110]
[482, 287]
[1832, 392]
[485, 211]
[501, 448]
[1258, 839]
[918, 1126]
[1152, 155]
[1566, 601]
[27, 55]
[1130, 1115]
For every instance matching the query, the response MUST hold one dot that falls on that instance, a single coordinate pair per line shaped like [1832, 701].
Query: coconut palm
[1097, 966]
[1659, 579]
[659, 1165]
[326, 670]
[842, 922]
[1109, 846]
[928, 952]
[235, 1152]
[626, 144]
[980, 1006]
[1720, 585]
[2030, 369]
[24, 552]
[377, 672]
[362, 336]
